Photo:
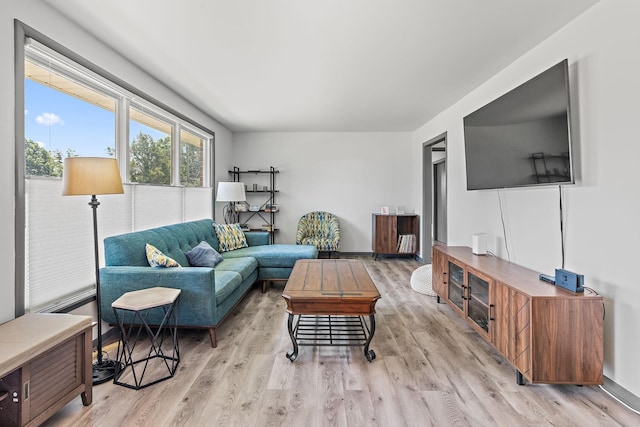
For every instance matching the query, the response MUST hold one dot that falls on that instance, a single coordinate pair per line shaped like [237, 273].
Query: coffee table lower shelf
[331, 330]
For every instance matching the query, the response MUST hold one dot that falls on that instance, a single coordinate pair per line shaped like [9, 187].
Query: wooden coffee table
[330, 298]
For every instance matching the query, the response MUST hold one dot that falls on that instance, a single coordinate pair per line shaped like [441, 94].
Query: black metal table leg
[519, 378]
[370, 354]
[292, 355]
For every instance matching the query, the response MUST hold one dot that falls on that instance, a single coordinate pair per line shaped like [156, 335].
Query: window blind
[59, 233]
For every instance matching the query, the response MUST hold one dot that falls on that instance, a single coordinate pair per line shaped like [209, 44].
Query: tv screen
[522, 138]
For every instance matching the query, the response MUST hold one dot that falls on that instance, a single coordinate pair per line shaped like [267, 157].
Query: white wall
[351, 174]
[602, 209]
[39, 16]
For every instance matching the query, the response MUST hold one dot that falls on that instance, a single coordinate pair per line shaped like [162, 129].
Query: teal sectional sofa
[208, 294]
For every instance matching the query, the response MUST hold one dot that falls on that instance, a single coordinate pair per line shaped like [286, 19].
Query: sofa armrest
[257, 238]
[197, 300]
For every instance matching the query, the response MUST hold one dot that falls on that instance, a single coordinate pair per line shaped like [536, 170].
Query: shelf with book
[259, 211]
[395, 234]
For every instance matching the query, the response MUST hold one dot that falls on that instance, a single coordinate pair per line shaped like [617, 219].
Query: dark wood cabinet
[395, 234]
[548, 334]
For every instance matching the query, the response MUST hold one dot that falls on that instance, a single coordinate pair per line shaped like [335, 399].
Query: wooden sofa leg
[265, 283]
[212, 336]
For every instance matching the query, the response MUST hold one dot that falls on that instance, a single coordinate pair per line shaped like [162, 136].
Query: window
[191, 159]
[64, 117]
[149, 148]
[72, 111]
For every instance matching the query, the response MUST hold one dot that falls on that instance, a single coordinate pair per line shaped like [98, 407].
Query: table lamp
[231, 192]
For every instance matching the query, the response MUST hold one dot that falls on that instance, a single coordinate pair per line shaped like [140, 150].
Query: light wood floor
[431, 370]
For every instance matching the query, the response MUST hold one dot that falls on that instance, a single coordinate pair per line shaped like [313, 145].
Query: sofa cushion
[230, 237]
[203, 255]
[322, 243]
[226, 283]
[278, 255]
[245, 266]
[173, 240]
[156, 258]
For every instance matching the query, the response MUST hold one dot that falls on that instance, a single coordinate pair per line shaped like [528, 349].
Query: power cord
[504, 228]
[561, 225]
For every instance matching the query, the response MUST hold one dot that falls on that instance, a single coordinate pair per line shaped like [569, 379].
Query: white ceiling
[330, 65]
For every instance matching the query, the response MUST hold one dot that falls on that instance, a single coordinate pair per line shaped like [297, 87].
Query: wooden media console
[549, 335]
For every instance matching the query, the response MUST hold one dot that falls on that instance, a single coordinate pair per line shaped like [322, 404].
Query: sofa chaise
[208, 294]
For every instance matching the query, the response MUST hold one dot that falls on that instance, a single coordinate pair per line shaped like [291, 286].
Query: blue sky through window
[60, 121]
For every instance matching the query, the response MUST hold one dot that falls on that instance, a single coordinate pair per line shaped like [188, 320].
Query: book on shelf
[406, 243]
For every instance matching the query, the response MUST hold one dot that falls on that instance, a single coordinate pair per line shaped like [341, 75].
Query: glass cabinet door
[456, 285]
[478, 310]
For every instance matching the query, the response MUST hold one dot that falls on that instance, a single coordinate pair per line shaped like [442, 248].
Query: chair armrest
[301, 233]
[334, 230]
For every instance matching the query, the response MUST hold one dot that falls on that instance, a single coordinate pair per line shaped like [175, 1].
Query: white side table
[137, 313]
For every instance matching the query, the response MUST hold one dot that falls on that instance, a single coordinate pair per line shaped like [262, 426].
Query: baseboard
[620, 393]
[356, 253]
[370, 254]
[109, 336]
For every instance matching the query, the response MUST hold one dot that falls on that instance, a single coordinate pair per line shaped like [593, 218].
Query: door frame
[437, 237]
[428, 193]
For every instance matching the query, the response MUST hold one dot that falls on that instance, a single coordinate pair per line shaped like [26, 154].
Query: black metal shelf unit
[261, 194]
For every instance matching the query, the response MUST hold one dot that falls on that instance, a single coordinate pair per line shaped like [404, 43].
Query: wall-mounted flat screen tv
[522, 138]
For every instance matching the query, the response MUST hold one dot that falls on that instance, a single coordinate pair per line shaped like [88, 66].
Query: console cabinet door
[512, 326]
[385, 234]
[456, 287]
[478, 310]
[501, 319]
[439, 273]
[520, 311]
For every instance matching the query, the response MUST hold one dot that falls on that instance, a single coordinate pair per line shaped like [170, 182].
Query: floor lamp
[84, 176]
[231, 192]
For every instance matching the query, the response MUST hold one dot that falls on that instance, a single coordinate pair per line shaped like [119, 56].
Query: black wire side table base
[331, 330]
[160, 361]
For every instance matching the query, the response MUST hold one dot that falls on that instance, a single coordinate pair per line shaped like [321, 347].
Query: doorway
[434, 194]
[440, 200]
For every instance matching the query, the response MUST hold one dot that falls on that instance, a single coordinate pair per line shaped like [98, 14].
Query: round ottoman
[421, 280]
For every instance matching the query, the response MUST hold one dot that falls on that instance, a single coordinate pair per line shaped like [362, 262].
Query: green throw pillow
[157, 259]
[230, 237]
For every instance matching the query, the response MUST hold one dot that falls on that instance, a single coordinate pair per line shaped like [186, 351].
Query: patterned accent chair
[319, 229]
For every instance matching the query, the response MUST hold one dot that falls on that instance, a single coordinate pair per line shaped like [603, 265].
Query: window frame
[103, 81]
[44, 56]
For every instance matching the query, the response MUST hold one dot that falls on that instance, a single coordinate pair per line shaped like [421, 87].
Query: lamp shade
[231, 192]
[91, 176]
